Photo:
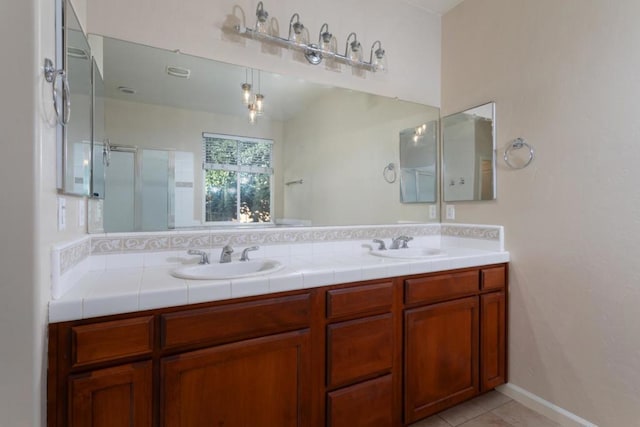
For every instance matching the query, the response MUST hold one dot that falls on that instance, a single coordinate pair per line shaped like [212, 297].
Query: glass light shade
[246, 93]
[259, 104]
[262, 27]
[262, 16]
[298, 33]
[328, 43]
[253, 114]
[379, 60]
[355, 51]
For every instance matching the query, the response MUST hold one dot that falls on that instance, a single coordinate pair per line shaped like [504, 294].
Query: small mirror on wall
[469, 154]
[418, 159]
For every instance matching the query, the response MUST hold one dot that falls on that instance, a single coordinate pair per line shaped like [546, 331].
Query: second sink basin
[230, 270]
[408, 253]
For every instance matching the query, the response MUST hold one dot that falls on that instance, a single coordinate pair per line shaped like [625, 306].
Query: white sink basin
[409, 253]
[230, 270]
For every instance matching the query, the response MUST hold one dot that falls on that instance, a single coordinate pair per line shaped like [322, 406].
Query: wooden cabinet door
[113, 397]
[441, 356]
[493, 339]
[367, 404]
[259, 382]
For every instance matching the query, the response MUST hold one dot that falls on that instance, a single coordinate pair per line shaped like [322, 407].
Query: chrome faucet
[381, 245]
[245, 253]
[204, 258]
[225, 256]
[400, 242]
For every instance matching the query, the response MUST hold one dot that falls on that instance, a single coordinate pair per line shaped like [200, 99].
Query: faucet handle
[400, 242]
[381, 245]
[225, 255]
[245, 252]
[204, 258]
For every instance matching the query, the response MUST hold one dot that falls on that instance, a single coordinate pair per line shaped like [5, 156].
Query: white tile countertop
[143, 284]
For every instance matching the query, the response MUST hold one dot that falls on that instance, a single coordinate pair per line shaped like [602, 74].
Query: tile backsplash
[105, 251]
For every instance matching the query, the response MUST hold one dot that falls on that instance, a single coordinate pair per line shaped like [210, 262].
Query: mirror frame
[443, 163]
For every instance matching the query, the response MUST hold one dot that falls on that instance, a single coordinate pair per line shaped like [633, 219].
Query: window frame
[238, 169]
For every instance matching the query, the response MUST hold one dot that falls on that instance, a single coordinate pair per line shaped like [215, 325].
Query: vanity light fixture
[298, 39]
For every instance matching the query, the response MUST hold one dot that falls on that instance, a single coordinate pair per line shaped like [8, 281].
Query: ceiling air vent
[180, 72]
[76, 52]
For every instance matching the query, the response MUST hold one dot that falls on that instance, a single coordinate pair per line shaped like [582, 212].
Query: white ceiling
[436, 6]
[213, 86]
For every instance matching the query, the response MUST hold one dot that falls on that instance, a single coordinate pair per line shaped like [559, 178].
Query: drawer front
[360, 299]
[493, 278]
[440, 287]
[235, 322]
[369, 404]
[104, 341]
[359, 348]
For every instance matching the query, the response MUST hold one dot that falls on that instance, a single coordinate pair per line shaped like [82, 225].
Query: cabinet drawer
[369, 404]
[359, 348]
[235, 322]
[100, 342]
[493, 278]
[440, 287]
[359, 299]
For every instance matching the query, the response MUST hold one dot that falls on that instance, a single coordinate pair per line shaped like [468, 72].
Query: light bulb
[252, 113]
[246, 93]
[259, 104]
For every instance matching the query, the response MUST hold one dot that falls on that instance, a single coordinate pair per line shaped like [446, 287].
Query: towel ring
[517, 144]
[385, 173]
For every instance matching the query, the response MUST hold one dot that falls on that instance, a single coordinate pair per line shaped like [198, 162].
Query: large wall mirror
[469, 154]
[187, 150]
[74, 137]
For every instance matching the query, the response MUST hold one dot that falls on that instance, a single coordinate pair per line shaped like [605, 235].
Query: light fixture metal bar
[250, 33]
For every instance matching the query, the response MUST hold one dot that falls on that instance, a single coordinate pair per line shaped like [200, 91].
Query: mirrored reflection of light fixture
[259, 104]
[419, 132]
[297, 33]
[253, 114]
[246, 89]
[377, 58]
[246, 93]
[259, 99]
[353, 50]
[298, 40]
[262, 16]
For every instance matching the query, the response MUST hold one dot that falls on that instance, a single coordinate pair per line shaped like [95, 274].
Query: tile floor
[492, 409]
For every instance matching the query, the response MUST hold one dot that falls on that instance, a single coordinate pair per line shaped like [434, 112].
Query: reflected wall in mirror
[74, 145]
[469, 154]
[418, 163]
[329, 145]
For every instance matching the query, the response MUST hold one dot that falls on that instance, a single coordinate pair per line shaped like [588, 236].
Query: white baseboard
[548, 409]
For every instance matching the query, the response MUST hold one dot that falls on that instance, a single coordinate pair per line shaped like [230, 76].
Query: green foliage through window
[238, 179]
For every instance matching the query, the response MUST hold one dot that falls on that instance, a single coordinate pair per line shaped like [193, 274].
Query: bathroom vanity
[383, 352]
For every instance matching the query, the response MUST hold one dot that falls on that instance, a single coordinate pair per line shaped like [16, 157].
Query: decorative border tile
[483, 232]
[181, 240]
[74, 255]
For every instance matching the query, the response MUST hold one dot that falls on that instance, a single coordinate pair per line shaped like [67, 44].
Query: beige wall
[410, 36]
[27, 171]
[565, 76]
